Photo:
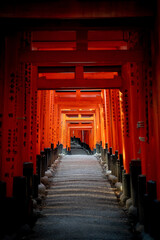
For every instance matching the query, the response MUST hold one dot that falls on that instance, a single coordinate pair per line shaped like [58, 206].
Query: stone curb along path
[81, 204]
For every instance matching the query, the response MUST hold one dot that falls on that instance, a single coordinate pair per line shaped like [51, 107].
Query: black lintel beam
[63, 69]
[116, 68]
[56, 69]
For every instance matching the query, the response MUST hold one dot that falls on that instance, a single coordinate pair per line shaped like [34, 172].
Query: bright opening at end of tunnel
[82, 118]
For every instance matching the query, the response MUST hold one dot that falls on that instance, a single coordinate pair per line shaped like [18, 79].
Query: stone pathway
[76, 149]
[81, 204]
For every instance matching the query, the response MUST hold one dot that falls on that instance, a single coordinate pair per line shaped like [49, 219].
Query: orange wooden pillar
[2, 73]
[127, 147]
[134, 87]
[50, 118]
[94, 129]
[33, 136]
[55, 123]
[9, 115]
[142, 125]
[118, 119]
[28, 109]
[67, 135]
[131, 112]
[80, 134]
[46, 118]
[38, 122]
[114, 126]
[105, 116]
[58, 125]
[52, 114]
[18, 112]
[108, 119]
[26, 74]
[91, 138]
[115, 121]
[42, 120]
[63, 128]
[68, 138]
[102, 129]
[72, 133]
[149, 121]
[98, 132]
[13, 118]
[20, 119]
[122, 127]
[156, 98]
[86, 136]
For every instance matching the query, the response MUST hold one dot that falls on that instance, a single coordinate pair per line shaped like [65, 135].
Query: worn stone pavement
[81, 204]
[76, 149]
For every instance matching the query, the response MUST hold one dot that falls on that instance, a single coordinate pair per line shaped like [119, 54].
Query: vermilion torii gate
[118, 59]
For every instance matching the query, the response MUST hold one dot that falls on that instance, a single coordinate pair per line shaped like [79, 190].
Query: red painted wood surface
[123, 109]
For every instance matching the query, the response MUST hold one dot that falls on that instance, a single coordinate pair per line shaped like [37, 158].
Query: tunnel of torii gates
[99, 85]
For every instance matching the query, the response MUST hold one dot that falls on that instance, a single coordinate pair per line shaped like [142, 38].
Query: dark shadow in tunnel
[79, 148]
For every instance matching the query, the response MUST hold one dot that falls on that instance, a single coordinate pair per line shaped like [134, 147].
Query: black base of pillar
[141, 193]
[2, 190]
[126, 185]
[35, 185]
[155, 231]
[135, 171]
[64, 150]
[69, 152]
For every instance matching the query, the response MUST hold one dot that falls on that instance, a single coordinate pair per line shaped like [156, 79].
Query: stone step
[81, 204]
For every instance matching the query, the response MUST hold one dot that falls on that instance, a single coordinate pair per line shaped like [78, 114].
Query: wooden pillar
[114, 126]
[142, 125]
[122, 127]
[2, 77]
[134, 86]
[58, 125]
[52, 114]
[127, 148]
[133, 110]
[9, 151]
[69, 138]
[42, 119]
[118, 119]
[102, 126]
[55, 123]
[65, 133]
[105, 115]
[38, 137]
[108, 121]
[34, 76]
[156, 97]
[94, 128]
[63, 128]
[46, 119]
[97, 126]
[91, 144]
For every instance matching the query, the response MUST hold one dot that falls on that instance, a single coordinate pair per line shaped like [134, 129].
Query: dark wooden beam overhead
[62, 69]
[110, 57]
[116, 68]
[75, 9]
[44, 84]
[130, 24]
[56, 69]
